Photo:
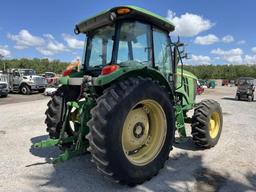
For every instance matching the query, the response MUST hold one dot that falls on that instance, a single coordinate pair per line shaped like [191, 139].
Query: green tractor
[128, 98]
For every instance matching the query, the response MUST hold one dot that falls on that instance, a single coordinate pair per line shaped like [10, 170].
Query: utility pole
[1, 57]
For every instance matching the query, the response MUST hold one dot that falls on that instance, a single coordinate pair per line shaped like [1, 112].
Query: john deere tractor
[129, 98]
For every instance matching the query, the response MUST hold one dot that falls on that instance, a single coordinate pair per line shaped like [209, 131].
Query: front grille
[39, 80]
[2, 86]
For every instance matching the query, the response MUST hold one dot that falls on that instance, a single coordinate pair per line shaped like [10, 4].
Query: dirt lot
[229, 166]
[18, 98]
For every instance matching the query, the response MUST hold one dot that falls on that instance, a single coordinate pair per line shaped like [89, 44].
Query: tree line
[201, 71]
[222, 71]
[39, 65]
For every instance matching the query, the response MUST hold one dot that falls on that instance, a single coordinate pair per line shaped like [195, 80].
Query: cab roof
[109, 16]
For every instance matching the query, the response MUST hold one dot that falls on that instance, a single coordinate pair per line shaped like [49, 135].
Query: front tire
[57, 108]
[250, 98]
[207, 123]
[25, 89]
[131, 130]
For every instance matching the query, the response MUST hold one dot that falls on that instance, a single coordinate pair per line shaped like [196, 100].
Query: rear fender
[127, 72]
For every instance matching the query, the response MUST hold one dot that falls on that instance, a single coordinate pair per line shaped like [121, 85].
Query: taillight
[109, 69]
[67, 72]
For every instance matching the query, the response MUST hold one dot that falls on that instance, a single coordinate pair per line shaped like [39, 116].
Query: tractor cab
[127, 37]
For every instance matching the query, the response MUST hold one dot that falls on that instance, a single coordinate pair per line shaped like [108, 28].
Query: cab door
[16, 80]
[162, 54]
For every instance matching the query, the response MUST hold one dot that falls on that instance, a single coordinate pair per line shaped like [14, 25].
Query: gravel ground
[229, 166]
[18, 98]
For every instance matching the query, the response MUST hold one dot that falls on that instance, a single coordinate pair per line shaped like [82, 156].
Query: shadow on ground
[233, 99]
[46, 153]
[187, 144]
[182, 172]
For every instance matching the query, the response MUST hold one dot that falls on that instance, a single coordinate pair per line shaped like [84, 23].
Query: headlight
[31, 82]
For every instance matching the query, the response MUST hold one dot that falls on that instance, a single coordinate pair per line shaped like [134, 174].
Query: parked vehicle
[245, 88]
[224, 82]
[51, 79]
[25, 81]
[232, 83]
[202, 82]
[211, 83]
[123, 105]
[49, 91]
[199, 89]
[4, 90]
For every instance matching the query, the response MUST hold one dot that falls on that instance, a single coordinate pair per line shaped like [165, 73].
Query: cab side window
[162, 51]
[16, 74]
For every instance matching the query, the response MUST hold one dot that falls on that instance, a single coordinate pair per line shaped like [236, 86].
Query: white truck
[4, 88]
[25, 81]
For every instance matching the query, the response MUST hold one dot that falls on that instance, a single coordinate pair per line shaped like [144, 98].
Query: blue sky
[216, 32]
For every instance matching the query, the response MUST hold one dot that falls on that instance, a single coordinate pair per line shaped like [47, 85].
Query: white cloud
[200, 60]
[228, 39]
[47, 45]
[51, 46]
[236, 51]
[44, 51]
[189, 24]
[56, 46]
[254, 50]
[233, 56]
[25, 39]
[72, 42]
[250, 59]
[49, 36]
[206, 40]
[241, 42]
[4, 51]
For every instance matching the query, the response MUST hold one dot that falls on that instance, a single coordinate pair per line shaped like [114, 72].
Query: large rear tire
[131, 130]
[57, 108]
[207, 123]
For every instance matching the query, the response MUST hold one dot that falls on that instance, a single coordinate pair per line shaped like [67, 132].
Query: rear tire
[107, 128]
[207, 123]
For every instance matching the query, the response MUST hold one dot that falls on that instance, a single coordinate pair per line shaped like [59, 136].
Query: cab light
[122, 11]
[109, 69]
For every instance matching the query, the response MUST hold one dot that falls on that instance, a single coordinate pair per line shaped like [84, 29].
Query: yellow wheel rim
[144, 132]
[214, 125]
